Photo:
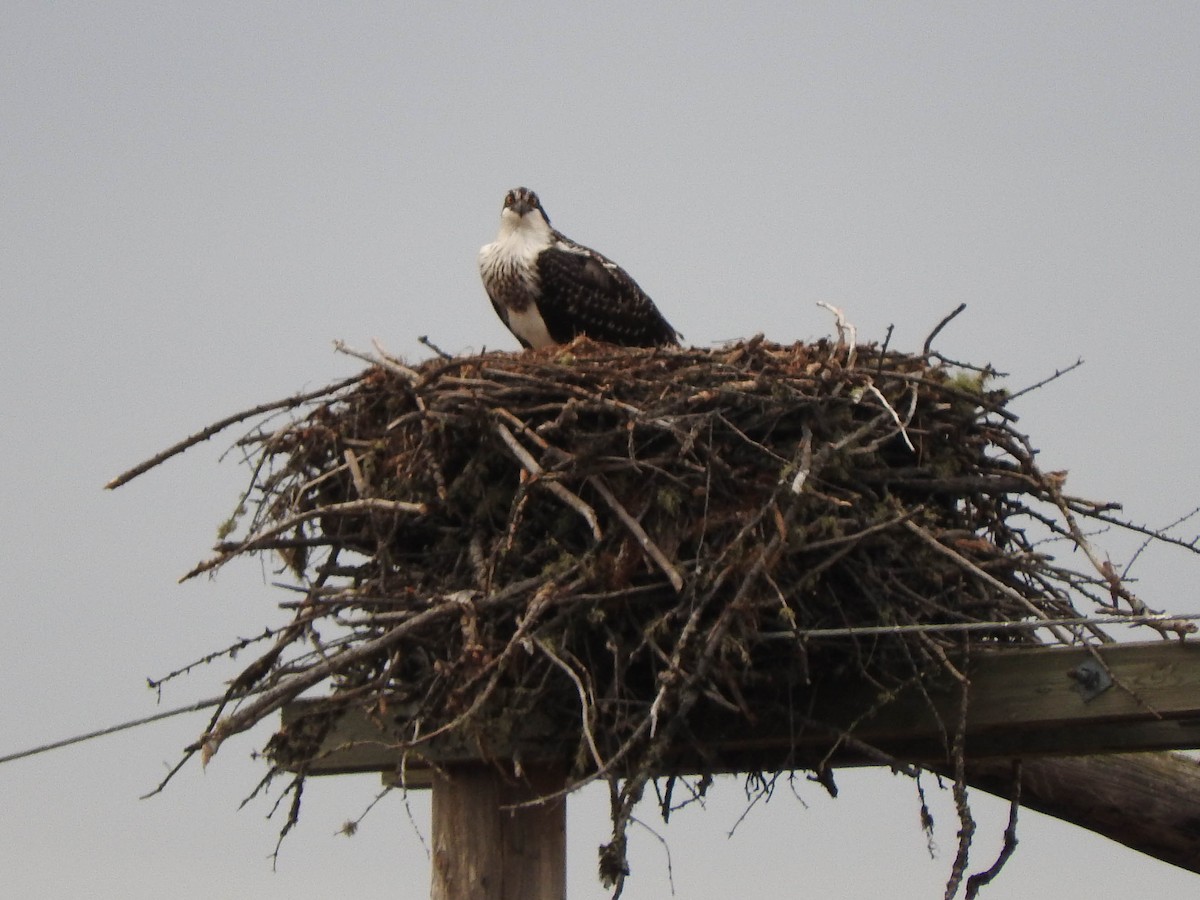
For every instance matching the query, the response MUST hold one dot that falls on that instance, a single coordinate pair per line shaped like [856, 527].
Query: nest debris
[617, 539]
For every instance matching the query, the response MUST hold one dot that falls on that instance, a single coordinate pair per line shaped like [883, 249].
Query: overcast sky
[198, 198]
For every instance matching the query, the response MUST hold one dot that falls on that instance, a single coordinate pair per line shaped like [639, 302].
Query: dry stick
[901, 425]
[356, 475]
[273, 698]
[587, 707]
[217, 427]
[1058, 373]
[382, 360]
[940, 325]
[231, 651]
[1109, 574]
[424, 339]
[350, 507]
[1164, 529]
[1193, 545]
[966, 822]
[496, 666]
[635, 528]
[887, 339]
[844, 328]
[395, 362]
[686, 696]
[990, 579]
[558, 490]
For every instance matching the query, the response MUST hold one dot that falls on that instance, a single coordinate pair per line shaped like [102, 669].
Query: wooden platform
[1022, 702]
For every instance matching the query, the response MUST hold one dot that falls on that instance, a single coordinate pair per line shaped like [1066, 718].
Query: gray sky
[199, 198]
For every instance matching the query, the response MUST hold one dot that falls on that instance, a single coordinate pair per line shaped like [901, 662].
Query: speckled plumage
[549, 290]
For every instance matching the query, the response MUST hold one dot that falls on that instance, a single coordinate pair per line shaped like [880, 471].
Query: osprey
[549, 290]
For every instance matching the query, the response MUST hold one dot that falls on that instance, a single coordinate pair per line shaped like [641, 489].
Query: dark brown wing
[583, 292]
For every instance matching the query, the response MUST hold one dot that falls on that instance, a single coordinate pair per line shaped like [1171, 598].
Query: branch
[262, 539]
[557, 489]
[1058, 373]
[990, 579]
[205, 433]
[635, 528]
[979, 879]
[940, 325]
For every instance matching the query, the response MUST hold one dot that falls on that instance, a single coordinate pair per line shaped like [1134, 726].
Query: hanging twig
[979, 879]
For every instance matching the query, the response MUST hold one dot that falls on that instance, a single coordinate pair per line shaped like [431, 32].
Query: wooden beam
[1022, 702]
[1033, 703]
[1146, 801]
[486, 846]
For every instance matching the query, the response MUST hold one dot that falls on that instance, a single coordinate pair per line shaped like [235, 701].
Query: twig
[635, 528]
[990, 579]
[273, 698]
[587, 706]
[424, 339]
[979, 879]
[380, 359]
[966, 822]
[349, 508]
[666, 849]
[557, 489]
[350, 826]
[1162, 532]
[1109, 574]
[1058, 373]
[940, 325]
[356, 474]
[887, 339]
[847, 333]
[902, 425]
[217, 427]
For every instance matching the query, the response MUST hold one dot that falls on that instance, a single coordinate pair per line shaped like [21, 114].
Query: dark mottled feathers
[584, 293]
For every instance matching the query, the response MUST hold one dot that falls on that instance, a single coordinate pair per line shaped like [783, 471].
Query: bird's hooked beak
[521, 206]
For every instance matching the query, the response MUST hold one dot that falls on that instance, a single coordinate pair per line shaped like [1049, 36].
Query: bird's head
[523, 209]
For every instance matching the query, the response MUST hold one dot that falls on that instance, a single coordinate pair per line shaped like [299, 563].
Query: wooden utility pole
[488, 846]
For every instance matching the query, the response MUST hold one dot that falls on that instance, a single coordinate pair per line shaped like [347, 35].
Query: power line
[770, 635]
[113, 729]
[861, 630]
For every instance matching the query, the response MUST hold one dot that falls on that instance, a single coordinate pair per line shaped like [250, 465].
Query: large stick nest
[620, 542]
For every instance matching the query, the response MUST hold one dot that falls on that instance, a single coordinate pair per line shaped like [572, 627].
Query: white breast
[509, 269]
[520, 240]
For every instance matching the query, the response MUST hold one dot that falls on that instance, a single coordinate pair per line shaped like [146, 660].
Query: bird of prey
[549, 290]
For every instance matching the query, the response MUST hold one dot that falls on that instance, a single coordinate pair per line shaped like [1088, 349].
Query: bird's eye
[509, 198]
